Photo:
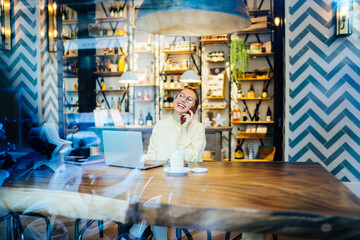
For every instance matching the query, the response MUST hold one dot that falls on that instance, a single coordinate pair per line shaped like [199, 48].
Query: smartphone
[183, 118]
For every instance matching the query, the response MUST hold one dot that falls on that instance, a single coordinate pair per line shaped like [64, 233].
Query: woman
[169, 134]
[178, 132]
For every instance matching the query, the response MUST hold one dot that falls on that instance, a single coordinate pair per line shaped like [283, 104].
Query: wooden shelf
[167, 71]
[69, 39]
[69, 57]
[215, 98]
[109, 73]
[253, 79]
[259, 12]
[178, 51]
[261, 54]
[71, 91]
[110, 90]
[253, 122]
[70, 22]
[178, 89]
[245, 160]
[172, 89]
[68, 75]
[215, 61]
[245, 98]
[214, 40]
[167, 108]
[110, 55]
[251, 137]
[110, 19]
[257, 31]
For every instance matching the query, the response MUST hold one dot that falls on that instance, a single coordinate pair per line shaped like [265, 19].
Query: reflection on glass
[52, 32]
[5, 24]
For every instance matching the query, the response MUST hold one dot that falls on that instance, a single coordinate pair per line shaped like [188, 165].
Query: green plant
[239, 58]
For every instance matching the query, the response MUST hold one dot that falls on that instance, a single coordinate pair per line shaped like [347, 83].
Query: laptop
[125, 149]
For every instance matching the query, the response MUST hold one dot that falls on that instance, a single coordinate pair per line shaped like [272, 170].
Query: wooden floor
[63, 228]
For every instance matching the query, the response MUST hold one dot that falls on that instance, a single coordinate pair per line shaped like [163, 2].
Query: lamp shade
[128, 77]
[190, 76]
[192, 17]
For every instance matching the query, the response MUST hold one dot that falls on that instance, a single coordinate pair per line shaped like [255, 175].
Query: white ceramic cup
[177, 160]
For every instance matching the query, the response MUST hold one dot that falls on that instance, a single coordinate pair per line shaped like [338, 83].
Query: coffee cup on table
[177, 160]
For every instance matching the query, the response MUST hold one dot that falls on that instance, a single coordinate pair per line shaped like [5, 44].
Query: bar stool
[79, 234]
[188, 234]
[45, 218]
[16, 227]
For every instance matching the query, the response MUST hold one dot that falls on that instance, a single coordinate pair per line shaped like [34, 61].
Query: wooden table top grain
[293, 199]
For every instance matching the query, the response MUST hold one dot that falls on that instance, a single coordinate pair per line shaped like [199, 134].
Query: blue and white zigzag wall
[20, 66]
[323, 81]
[48, 72]
[29, 68]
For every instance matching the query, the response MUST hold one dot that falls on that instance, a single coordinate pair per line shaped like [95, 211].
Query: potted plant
[239, 58]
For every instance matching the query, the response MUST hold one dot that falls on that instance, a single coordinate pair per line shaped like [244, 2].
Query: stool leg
[9, 228]
[238, 237]
[119, 226]
[17, 227]
[178, 233]
[187, 233]
[83, 229]
[208, 233]
[76, 228]
[101, 228]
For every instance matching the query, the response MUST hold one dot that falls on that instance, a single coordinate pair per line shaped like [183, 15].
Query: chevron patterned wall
[324, 89]
[20, 67]
[48, 73]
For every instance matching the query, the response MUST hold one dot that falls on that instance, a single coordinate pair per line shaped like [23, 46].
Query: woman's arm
[193, 143]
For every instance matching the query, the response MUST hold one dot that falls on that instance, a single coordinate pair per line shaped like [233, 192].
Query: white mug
[177, 160]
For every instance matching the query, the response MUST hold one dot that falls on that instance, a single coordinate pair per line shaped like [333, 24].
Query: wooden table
[293, 199]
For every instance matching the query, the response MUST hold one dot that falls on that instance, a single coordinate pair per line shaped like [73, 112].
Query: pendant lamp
[128, 77]
[190, 76]
[192, 17]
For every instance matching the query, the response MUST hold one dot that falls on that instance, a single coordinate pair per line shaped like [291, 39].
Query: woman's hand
[186, 124]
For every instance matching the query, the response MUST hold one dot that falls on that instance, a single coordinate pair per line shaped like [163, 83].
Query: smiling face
[188, 101]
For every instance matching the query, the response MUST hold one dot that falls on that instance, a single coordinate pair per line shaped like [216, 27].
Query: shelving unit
[256, 79]
[215, 56]
[171, 71]
[70, 64]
